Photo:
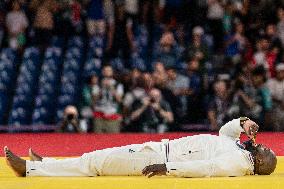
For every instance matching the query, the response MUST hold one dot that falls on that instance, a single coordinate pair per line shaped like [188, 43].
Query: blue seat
[49, 81]
[8, 64]
[92, 66]
[26, 87]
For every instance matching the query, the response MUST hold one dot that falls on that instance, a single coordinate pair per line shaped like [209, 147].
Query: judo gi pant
[126, 160]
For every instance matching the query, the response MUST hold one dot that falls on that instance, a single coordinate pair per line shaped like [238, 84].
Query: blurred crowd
[206, 61]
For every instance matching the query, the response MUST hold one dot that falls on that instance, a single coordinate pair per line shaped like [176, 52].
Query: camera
[70, 117]
[152, 100]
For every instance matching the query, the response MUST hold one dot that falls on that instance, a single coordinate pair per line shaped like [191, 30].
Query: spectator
[193, 92]
[160, 78]
[215, 15]
[87, 102]
[264, 56]
[236, 43]
[242, 93]
[109, 11]
[178, 84]
[132, 78]
[276, 87]
[149, 81]
[43, 22]
[198, 49]
[280, 24]
[76, 15]
[70, 123]
[173, 12]
[17, 23]
[120, 36]
[262, 96]
[167, 52]
[107, 100]
[132, 96]
[275, 45]
[218, 106]
[159, 74]
[136, 90]
[95, 18]
[152, 113]
[132, 10]
[228, 18]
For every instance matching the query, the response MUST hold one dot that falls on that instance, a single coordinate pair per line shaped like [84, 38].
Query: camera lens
[152, 100]
[70, 117]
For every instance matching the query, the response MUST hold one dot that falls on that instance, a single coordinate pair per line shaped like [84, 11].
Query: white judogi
[193, 156]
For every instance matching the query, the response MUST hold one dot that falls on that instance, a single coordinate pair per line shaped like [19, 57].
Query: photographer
[152, 113]
[107, 98]
[70, 123]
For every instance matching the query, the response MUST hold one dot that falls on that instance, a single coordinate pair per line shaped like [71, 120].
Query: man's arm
[212, 119]
[234, 128]
[230, 164]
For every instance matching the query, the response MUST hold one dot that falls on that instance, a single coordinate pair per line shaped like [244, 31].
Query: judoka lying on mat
[193, 156]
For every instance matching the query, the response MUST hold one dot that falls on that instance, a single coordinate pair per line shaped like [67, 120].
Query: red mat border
[60, 144]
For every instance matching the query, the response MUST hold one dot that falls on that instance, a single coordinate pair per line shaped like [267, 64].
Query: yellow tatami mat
[9, 181]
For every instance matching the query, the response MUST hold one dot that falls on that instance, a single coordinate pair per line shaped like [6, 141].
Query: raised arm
[234, 128]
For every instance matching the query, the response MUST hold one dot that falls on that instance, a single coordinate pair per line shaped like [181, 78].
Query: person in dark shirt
[152, 113]
[70, 122]
[120, 36]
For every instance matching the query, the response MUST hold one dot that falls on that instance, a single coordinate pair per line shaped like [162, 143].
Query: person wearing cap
[276, 87]
[198, 49]
[193, 156]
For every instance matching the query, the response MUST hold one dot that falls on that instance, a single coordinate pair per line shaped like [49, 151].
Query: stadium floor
[56, 145]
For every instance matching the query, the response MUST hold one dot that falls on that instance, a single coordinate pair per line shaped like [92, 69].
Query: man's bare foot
[17, 164]
[33, 156]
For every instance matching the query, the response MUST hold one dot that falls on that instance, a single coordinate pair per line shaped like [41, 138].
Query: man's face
[159, 67]
[280, 75]
[94, 80]
[155, 95]
[265, 44]
[193, 65]
[171, 74]
[271, 30]
[107, 71]
[257, 80]
[265, 160]
[148, 80]
[240, 28]
[220, 89]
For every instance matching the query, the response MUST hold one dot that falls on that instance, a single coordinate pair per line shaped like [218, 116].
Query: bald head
[265, 160]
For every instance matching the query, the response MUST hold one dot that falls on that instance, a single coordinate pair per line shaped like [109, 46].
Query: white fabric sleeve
[120, 90]
[232, 129]
[225, 165]
[47, 159]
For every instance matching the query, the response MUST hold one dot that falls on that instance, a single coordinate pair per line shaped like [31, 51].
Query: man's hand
[250, 128]
[156, 169]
